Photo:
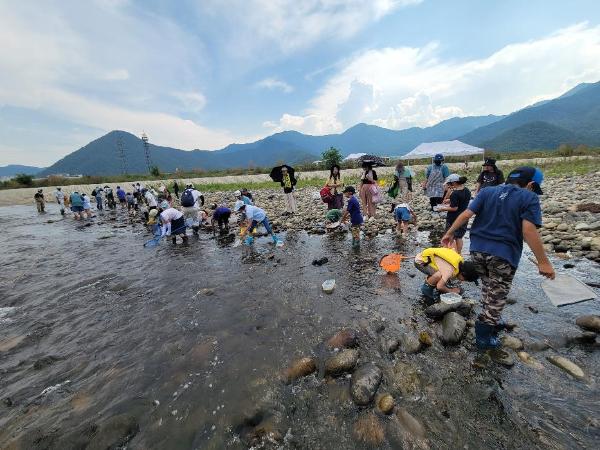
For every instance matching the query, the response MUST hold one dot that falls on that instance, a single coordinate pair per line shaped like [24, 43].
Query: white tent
[353, 156]
[446, 148]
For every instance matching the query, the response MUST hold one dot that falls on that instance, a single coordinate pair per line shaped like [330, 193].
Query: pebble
[568, 366]
[530, 360]
[389, 345]
[386, 403]
[368, 429]
[365, 382]
[410, 423]
[439, 310]
[328, 286]
[425, 338]
[410, 343]
[512, 342]
[345, 338]
[344, 361]
[589, 322]
[299, 368]
[453, 327]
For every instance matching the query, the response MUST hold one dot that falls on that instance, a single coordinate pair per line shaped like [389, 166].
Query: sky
[207, 73]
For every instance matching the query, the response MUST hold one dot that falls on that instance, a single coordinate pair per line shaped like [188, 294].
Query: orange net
[391, 263]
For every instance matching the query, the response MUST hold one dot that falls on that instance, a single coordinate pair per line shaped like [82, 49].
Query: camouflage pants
[496, 276]
[355, 230]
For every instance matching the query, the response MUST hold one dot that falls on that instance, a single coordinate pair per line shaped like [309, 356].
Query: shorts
[425, 268]
[402, 215]
[459, 232]
[178, 226]
[77, 209]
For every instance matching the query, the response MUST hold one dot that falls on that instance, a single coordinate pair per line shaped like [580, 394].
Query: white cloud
[403, 87]
[268, 27]
[117, 75]
[275, 84]
[101, 70]
[192, 101]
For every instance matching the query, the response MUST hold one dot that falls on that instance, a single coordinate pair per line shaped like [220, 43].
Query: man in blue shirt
[356, 218]
[505, 215]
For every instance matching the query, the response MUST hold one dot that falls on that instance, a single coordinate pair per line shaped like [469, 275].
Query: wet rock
[299, 368]
[589, 322]
[566, 365]
[411, 424]
[7, 401]
[439, 310]
[512, 342]
[44, 362]
[389, 345]
[425, 338]
[410, 343]
[365, 382]
[344, 361]
[386, 403]
[533, 309]
[404, 379]
[530, 360]
[453, 327]
[368, 430]
[345, 338]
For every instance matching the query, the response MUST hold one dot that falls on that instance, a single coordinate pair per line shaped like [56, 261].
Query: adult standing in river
[77, 205]
[403, 177]
[335, 184]
[40, 201]
[505, 215]
[368, 184]
[489, 176]
[98, 194]
[435, 174]
[59, 195]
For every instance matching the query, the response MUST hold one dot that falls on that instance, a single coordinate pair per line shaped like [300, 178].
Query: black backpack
[187, 198]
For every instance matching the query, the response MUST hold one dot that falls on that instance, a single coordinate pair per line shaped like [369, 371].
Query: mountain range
[572, 118]
[13, 169]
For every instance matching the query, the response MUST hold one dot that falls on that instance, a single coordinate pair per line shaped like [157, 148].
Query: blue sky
[203, 74]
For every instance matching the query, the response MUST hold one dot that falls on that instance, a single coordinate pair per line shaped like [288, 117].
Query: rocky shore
[571, 212]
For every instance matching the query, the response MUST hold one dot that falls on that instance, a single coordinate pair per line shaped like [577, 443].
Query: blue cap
[528, 175]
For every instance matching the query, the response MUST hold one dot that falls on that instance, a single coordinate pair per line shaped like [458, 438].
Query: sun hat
[238, 205]
[153, 213]
[164, 204]
[237, 193]
[452, 178]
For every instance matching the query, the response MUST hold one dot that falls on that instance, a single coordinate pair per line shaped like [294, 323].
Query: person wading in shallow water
[435, 175]
[505, 215]
[40, 201]
[335, 185]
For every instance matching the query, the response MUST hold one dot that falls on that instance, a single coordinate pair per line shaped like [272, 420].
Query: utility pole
[121, 153]
[147, 151]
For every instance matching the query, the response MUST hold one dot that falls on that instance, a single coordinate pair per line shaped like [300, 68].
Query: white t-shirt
[151, 199]
[170, 214]
[196, 194]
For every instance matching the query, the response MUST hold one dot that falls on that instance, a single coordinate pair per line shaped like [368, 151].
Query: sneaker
[355, 243]
[275, 240]
[428, 291]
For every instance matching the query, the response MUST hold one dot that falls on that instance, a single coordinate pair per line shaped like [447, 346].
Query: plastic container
[328, 286]
[451, 298]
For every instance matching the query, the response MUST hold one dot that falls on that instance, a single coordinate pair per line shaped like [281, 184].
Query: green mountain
[577, 111]
[531, 136]
[14, 169]
[101, 157]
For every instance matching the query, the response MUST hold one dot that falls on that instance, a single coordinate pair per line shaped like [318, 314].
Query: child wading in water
[403, 214]
[353, 211]
[459, 201]
[254, 216]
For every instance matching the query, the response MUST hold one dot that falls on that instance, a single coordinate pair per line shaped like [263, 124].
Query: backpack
[187, 198]
[326, 195]
[94, 193]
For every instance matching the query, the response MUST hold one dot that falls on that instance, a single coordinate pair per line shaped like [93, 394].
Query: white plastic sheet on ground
[446, 148]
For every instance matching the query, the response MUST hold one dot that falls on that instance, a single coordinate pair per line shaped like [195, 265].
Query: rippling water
[104, 343]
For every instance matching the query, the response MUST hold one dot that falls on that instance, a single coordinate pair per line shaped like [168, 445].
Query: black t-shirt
[458, 199]
[490, 178]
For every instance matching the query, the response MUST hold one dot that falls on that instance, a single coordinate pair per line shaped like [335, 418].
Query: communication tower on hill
[121, 153]
[147, 151]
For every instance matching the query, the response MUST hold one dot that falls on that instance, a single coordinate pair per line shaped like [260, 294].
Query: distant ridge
[13, 169]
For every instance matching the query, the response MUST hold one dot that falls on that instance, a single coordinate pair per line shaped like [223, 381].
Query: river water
[107, 344]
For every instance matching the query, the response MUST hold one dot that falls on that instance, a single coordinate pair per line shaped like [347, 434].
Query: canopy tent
[446, 148]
